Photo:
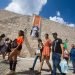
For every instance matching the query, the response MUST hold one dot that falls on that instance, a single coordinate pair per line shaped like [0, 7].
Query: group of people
[57, 48]
[13, 48]
[45, 50]
[5, 44]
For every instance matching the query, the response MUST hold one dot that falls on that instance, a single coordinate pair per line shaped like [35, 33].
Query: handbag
[64, 66]
[38, 52]
[66, 54]
[14, 44]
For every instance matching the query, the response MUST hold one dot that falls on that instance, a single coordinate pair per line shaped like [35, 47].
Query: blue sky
[49, 8]
[4, 3]
[66, 8]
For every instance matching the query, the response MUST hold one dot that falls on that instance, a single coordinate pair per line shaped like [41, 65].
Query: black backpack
[14, 44]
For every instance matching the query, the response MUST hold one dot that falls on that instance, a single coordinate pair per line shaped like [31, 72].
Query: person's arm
[19, 43]
[41, 45]
[62, 49]
[17, 47]
[62, 46]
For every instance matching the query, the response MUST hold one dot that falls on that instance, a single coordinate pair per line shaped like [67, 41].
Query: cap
[54, 33]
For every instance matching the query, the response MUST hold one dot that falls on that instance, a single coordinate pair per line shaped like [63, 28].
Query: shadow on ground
[28, 72]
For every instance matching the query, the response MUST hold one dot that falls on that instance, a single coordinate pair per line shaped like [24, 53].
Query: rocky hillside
[10, 23]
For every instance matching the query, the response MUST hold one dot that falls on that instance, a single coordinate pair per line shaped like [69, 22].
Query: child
[40, 47]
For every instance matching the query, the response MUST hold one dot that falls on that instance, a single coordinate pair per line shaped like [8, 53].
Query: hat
[54, 33]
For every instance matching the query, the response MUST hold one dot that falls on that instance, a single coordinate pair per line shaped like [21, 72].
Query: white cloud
[71, 25]
[58, 13]
[59, 19]
[26, 7]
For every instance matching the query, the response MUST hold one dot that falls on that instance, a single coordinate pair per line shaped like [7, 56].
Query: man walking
[57, 52]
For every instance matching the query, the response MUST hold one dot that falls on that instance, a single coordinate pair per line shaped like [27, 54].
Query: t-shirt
[20, 40]
[56, 47]
[65, 45]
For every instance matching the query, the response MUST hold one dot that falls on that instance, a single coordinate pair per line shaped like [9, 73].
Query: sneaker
[31, 69]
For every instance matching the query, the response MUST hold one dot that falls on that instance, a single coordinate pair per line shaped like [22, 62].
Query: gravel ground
[23, 66]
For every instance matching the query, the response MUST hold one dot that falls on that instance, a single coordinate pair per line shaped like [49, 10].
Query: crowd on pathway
[60, 53]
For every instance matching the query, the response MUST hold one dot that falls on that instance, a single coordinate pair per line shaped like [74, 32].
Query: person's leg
[14, 62]
[12, 54]
[41, 63]
[11, 63]
[8, 55]
[15, 59]
[40, 58]
[58, 60]
[48, 63]
[35, 62]
[54, 64]
[67, 60]
[73, 66]
[3, 55]
[54, 67]
[58, 66]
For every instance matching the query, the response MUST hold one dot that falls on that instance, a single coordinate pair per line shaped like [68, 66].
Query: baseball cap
[54, 33]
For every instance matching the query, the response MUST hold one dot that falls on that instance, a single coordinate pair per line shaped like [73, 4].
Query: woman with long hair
[46, 53]
[15, 52]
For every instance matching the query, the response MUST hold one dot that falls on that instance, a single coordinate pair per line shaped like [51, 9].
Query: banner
[36, 28]
[36, 20]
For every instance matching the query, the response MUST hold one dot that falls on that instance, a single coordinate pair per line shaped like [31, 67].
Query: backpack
[14, 44]
[66, 54]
